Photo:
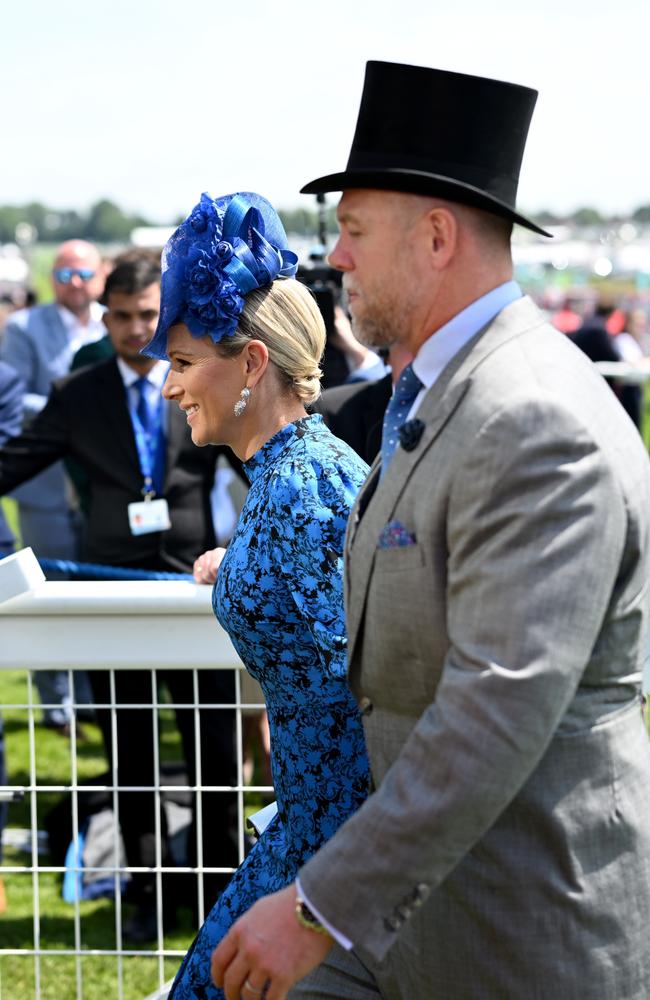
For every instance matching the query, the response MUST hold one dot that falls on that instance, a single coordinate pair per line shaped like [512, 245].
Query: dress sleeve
[310, 516]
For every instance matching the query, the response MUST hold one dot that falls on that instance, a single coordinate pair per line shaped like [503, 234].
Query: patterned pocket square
[395, 535]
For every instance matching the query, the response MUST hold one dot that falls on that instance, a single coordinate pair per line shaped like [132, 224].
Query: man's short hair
[493, 229]
[131, 272]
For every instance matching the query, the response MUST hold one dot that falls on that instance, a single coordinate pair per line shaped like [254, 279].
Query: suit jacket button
[365, 706]
[392, 923]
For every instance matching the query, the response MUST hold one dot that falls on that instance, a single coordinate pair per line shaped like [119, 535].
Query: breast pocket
[399, 558]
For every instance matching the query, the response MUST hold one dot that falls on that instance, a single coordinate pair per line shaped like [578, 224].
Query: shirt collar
[156, 376]
[95, 328]
[436, 352]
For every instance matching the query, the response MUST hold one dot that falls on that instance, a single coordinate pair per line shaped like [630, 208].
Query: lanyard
[147, 444]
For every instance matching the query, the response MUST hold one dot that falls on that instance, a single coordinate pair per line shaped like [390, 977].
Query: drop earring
[242, 402]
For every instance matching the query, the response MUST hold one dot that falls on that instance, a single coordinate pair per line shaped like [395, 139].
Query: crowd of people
[439, 577]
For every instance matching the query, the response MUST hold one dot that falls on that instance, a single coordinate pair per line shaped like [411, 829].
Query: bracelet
[306, 918]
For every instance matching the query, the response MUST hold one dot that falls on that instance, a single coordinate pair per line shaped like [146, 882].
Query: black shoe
[86, 715]
[142, 926]
[65, 729]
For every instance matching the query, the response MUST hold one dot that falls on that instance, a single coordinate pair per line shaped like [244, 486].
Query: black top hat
[428, 131]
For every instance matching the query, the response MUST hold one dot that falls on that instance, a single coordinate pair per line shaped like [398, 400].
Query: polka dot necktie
[406, 389]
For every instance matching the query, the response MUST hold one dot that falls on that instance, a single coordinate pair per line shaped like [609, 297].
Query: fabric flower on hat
[213, 302]
[221, 252]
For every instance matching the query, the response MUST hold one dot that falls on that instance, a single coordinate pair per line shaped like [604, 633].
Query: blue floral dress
[279, 597]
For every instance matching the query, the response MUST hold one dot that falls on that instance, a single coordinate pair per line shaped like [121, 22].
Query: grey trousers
[344, 976]
[340, 977]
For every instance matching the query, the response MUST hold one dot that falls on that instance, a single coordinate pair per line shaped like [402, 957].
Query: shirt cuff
[338, 937]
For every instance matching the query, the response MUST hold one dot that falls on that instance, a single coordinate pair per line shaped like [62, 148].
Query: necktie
[145, 413]
[407, 387]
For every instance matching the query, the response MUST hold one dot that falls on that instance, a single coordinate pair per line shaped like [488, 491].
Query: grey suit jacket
[37, 345]
[505, 852]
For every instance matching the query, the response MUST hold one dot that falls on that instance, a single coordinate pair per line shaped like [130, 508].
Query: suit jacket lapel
[373, 415]
[436, 409]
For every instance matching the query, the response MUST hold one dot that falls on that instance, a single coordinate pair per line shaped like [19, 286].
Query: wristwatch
[306, 918]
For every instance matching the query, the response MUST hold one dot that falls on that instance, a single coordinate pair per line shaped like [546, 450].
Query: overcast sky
[149, 102]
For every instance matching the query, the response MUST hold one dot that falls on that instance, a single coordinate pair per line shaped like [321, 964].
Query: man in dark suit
[39, 343]
[355, 411]
[11, 413]
[598, 344]
[95, 416]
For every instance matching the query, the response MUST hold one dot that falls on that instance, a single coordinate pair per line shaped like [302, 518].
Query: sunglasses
[64, 275]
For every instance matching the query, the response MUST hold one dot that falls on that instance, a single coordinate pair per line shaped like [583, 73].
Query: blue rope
[107, 572]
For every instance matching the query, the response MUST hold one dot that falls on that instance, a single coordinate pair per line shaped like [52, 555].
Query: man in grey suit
[39, 343]
[497, 599]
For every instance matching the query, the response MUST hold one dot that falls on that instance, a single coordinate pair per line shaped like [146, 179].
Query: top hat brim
[419, 182]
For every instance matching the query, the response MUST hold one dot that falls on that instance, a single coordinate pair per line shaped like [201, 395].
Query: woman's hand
[206, 567]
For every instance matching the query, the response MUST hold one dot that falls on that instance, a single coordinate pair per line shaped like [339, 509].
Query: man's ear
[256, 360]
[442, 235]
[107, 319]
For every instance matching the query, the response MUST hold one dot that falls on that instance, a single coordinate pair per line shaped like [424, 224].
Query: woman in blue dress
[244, 340]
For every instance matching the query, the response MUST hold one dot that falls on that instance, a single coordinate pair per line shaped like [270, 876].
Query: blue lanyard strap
[148, 438]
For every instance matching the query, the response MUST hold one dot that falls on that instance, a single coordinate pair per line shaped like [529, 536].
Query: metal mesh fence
[79, 947]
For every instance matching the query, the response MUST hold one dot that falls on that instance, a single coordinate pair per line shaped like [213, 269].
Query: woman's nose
[170, 389]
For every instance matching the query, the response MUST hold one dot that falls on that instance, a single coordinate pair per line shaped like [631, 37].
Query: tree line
[106, 222]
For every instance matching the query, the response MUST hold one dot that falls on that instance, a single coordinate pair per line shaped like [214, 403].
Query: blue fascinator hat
[224, 249]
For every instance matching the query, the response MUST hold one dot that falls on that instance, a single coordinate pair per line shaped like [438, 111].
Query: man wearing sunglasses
[39, 344]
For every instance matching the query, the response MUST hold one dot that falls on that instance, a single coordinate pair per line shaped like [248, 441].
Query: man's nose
[138, 327]
[339, 258]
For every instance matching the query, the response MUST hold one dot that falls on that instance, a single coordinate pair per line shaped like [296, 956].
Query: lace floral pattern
[280, 597]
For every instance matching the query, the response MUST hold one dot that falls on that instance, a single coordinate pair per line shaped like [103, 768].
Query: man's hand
[206, 567]
[267, 946]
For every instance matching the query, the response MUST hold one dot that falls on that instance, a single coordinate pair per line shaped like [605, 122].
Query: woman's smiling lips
[189, 411]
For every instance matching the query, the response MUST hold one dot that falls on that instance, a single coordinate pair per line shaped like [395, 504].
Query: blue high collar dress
[279, 595]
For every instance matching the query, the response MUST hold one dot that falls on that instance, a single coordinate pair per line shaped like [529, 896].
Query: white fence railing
[156, 626]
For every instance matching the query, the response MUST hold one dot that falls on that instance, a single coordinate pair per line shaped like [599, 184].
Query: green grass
[10, 508]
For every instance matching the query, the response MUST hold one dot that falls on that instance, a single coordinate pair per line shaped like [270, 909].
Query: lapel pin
[410, 434]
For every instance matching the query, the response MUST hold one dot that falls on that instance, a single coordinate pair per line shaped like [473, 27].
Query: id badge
[147, 516]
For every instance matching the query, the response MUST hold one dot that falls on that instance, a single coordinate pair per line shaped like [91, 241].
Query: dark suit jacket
[87, 418]
[599, 345]
[355, 413]
[93, 354]
[11, 413]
